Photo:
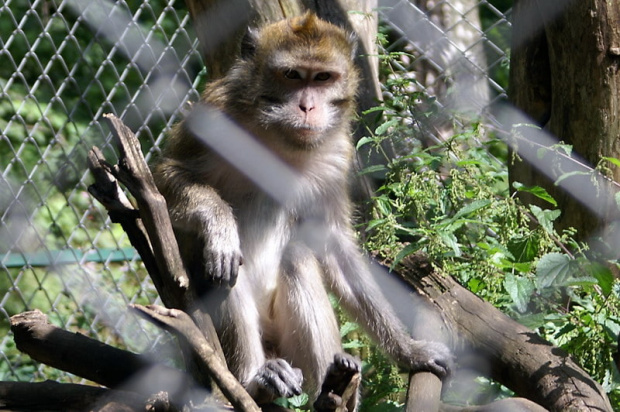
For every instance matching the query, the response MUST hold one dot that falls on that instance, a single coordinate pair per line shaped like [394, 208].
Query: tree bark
[564, 73]
[53, 396]
[183, 327]
[519, 358]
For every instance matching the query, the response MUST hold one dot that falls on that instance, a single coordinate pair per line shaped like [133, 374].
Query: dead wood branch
[89, 358]
[53, 396]
[155, 238]
[519, 358]
[181, 325]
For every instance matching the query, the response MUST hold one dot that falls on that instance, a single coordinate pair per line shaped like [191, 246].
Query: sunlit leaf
[612, 160]
[545, 217]
[553, 268]
[472, 207]
[537, 191]
[520, 290]
[364, 140]
[382, 128]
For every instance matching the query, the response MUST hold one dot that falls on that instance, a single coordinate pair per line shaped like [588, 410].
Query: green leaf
[372, 169]
[563, 147]
[580, 281]
[524, 249]
[472, 207]
[537, 191]
[602, 274]
[298, 401]
[566, 329]
[374, 109]
[404, 252]
[570, 174]
[553, 268]
[364, 140]
[545, 217]
[451, 241]
[612, 160]
[382, 128]
[520, 290]
[348, 327]
[532, 321]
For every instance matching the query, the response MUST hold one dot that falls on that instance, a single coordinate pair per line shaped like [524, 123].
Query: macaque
[266, 265]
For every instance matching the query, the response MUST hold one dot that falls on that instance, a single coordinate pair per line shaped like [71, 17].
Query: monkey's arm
[205, 227]
[350, 278]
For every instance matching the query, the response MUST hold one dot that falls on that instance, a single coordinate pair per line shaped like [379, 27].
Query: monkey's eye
[321, 77]
[292, 74]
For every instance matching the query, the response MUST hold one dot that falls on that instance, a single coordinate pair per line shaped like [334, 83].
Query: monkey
[266, 265]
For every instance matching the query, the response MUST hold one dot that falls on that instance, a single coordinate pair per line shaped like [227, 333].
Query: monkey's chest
[263, 241]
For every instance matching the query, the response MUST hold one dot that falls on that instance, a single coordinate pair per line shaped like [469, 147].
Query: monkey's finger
[440, 367]
[213, 269]
[287, 379]
[234, 271]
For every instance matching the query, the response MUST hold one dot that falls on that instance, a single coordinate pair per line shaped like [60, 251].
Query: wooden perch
[86, 357]
[153, 234]
[161, 250]
[133, 172]
[182, 326]
[54, 396]
[519, 358]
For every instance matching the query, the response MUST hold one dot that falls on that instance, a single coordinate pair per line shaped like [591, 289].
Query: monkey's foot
[275, 379]
[340, 384]
[434, 357]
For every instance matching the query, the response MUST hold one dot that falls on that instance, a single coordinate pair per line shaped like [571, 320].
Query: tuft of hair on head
[305, 23]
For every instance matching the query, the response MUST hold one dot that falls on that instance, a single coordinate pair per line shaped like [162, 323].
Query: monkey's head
[304, 79]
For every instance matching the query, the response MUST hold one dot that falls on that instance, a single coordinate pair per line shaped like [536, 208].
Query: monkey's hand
[275, 379]
[433, 357]
[222, 254]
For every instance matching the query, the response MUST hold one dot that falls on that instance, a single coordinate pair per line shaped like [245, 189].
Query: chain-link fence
[66, 63]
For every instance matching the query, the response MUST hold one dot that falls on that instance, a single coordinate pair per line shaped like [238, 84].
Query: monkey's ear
[248, 43]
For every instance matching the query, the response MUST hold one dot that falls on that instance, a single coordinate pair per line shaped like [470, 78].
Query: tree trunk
[564, 74]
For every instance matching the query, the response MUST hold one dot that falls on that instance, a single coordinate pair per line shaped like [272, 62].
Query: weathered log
[54, 396]
[182, 326]
[89, 358]
[162, 253]
[520, 359]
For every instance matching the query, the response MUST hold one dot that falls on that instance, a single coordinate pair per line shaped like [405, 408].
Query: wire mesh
[66, 63]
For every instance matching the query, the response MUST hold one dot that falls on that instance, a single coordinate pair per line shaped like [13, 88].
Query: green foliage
[452, 201]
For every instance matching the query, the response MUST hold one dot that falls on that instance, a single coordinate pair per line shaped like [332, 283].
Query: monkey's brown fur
[293, 89]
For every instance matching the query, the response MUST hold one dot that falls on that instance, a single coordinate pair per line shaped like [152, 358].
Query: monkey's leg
[238, 323]
[309, 335]
[351, 280]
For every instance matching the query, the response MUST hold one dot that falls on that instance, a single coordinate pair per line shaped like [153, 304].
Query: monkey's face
[306, 79]
[308, 102]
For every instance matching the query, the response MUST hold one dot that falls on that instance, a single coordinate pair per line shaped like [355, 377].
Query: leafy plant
[452, 201]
